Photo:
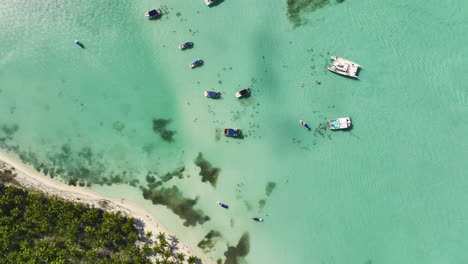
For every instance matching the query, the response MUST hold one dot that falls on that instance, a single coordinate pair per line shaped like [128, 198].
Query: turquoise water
[390, 190]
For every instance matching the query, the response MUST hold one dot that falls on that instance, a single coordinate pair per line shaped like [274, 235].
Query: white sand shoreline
[30, 178]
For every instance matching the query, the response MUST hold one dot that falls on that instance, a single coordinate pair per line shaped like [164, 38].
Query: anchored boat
[344, 67]
[232, 132]
[258, 219]
[212, 94]
[222, 205]
[79, 44]
[340, 123]
[210, 2]
[304, 124]
[186, 45]
[196, 63]
[155, 13]
[243, 93]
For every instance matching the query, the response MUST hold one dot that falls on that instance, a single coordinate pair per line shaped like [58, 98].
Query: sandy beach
[31, 179]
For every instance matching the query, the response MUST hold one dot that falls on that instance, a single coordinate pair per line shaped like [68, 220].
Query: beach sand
[32, 179]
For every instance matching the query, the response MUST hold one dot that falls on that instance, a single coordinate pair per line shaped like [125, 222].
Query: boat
[186, 45]
[243, 93]
[153, 13]
[222, 205]
[340, 123]
[344, 67]
[196, 63]
[212, 94]
[258, 219]
[232, 132]
[79, 44]
[210, 2]
[304, 124]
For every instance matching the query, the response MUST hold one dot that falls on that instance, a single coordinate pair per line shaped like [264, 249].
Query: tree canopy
[35, 228]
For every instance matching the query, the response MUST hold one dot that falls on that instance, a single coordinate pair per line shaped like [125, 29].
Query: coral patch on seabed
[207, 171]
[81, 166]
[207, 243]
[173, 199]
[235, 255]
[269, 188]
[262, 203]
[297, 7]
[159, 127]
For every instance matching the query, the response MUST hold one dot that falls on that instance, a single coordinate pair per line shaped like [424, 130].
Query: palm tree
[147, 250]
[161, 236]
[180, 257]
[192, 260]
[158, 249]
[149, 234]
[167, 254]
[163, 243]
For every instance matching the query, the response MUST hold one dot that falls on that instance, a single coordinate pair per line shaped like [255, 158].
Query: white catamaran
[340, 123]
[344, 67]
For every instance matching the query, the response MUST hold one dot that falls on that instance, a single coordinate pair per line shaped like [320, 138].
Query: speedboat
[258, 219]
[232, 132]
[344, 67]
[210, 2]
[196, 63]
[304, 124]
[186, 45]
[153, 13]
[243, 93]
[222, 205]
[212, 94]
[340, 123]
[79, 44]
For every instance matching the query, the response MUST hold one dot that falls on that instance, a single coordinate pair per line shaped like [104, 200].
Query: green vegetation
[7, 175]
[39, 229]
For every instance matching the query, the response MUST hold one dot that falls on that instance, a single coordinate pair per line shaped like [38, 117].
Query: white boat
[340, 123]
[210, 2]
[344, 67]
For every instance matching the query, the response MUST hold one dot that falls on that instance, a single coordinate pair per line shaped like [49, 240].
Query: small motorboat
[79, 44]
[232, 132]
[258, 219]
[212, 94]
[222, 205]
[153, 13]
[186, 45]
[210, 2]
[304, 124]
[243, 93]
[196, 63]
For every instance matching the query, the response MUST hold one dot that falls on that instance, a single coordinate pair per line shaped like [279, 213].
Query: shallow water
[390, 190]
